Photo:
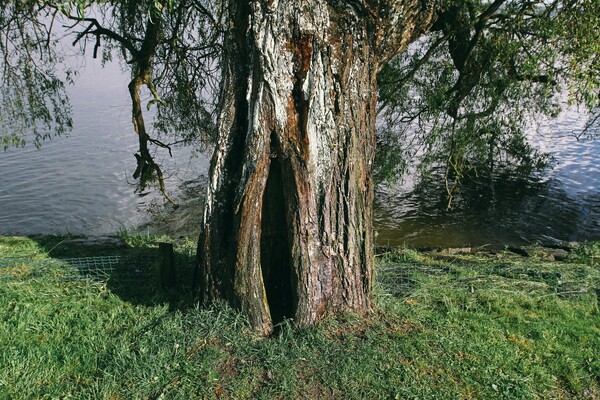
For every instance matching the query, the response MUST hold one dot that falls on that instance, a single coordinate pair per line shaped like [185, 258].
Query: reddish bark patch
[302, 48]
[303, 54]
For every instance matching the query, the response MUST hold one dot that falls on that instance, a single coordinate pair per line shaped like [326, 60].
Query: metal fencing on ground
[101, 268]
[397, 277]
[129, 275]
[573, 281]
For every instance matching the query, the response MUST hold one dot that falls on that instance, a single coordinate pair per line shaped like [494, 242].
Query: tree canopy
[461, 97]
[465, 94]
[170, 50]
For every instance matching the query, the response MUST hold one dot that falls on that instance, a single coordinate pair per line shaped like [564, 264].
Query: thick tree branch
[531, 78]
[480, 25]
[102, 31]
[200, 7]
[400, 23]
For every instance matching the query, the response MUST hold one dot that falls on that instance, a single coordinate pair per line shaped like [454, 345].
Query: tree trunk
[287, 228]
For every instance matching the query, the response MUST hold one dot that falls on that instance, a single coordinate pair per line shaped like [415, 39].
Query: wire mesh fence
[130, 275]
[395, 276]
[101, 268]
[573, 281]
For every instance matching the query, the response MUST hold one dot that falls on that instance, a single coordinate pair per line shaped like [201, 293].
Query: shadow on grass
[130, 272]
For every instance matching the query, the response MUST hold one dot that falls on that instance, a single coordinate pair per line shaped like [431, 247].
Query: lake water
[81, 184]
[563, 204]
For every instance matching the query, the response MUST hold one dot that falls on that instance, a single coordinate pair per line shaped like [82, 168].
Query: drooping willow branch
[142, 65]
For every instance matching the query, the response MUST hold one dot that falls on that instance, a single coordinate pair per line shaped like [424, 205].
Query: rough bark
[287, 228]
[401, 22]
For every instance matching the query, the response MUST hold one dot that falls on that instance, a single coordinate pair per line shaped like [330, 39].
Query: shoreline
[120, 241]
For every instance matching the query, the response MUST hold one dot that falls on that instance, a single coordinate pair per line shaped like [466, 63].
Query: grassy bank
[82, 339]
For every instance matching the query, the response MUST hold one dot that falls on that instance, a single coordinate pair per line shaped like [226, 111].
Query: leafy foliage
[33, 101]
[464, 95]
[184, 62]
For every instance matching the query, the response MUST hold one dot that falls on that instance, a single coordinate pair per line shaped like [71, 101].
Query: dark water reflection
[510, 210]
[563, 203]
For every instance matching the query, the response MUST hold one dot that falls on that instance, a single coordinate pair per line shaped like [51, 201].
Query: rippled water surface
[81, 184]
[563, 204]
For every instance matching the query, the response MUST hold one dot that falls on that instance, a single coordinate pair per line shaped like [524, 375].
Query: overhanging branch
[99, 30]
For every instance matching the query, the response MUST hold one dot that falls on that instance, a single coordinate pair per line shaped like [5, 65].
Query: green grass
[81, 340]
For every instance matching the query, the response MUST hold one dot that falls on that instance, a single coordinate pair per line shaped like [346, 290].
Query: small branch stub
[168, 277]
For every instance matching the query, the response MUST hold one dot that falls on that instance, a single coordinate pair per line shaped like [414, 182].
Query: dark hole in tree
[275, 249]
